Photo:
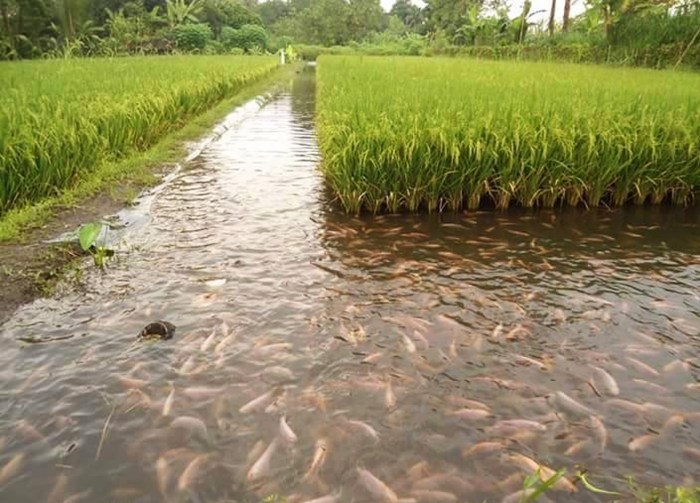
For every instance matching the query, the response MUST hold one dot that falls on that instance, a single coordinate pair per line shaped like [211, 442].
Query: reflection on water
[432, 359]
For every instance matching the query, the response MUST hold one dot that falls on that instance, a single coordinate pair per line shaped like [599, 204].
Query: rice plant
[61, 118]
[415, 134]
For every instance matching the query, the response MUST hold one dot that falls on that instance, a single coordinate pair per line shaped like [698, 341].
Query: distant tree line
[61, 28]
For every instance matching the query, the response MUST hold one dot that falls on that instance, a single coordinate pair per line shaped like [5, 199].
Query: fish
[224, 343]
[518, 496]
[189, 475]
[576, 447]
[410, 345]
[286, 432]
[389, 397]
[168, 404]
[188, 366]
[460, 401]
[162, 476]
[59, 488]
[28, 431]
[261, 468]
[642, 442]
[12, 468]
[692, 453]
[677, 366]
[568, 404]
[78, 497]
[482, 448]
[264, 351]
[328, 498]
[193, 425]
[254, 453]
[510, 426]
[206, 344]
[378, 489]
[497, 332]
[372, 358]
[544, 472]
[259, 403]
[130, 382]
[643, 367]
[320, 453]
[201, 392]
[601, 432]
[433, 496]
[215, 283]
[518, 333]
[607, 382]
[470, 414]
[277, 375]
[364, 427]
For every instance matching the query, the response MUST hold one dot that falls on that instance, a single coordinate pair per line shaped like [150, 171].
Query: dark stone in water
[159, 330]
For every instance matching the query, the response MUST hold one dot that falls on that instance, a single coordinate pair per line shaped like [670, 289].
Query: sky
[577, 7]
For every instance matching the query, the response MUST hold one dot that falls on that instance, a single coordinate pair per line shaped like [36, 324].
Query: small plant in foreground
[93, 238]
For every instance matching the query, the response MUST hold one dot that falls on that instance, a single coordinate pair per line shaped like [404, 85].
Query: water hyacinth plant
[60, 118]
[410, 134]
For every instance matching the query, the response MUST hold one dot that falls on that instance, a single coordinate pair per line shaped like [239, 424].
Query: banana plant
[179, 11]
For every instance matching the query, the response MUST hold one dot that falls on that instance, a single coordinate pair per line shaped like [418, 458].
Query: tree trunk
[567, 12]
[5, 18]
[551, 18]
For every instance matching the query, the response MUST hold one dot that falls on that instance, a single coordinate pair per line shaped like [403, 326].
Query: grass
[61, 119]
[415, 134]
[126, 175]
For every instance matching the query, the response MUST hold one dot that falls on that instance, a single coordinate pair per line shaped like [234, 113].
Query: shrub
[192, 36]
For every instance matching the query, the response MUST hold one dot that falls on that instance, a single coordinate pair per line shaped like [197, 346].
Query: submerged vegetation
[440, 134]
[60, 119]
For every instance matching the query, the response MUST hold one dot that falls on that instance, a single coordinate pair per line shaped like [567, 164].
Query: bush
[253, 36]
[248, 37]
[231, 38]
[192, 37]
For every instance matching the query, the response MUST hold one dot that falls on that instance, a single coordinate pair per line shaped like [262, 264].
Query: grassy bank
[61, 119]
[121, 179]
[430, 134]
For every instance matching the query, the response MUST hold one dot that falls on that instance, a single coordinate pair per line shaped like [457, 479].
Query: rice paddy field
[59, 119]
[416, 134]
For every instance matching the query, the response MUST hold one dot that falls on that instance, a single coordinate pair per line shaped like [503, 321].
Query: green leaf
[587, 484]
[89, 233]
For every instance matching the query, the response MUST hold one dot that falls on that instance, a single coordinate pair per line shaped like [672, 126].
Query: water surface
[393, 344]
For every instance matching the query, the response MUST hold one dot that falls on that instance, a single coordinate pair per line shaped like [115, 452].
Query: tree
[567, 12]
[550, 26]
[365, 17]
[220, 13]
[272, 11]
[325, 22]
[450, 15]
[179, 11]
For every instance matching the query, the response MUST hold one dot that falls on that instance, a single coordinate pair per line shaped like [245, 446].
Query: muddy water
[445, 356]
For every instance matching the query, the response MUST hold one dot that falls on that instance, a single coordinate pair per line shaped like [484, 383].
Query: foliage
[93, 240]
[535, 485]
[410, 134]
[69, 28]
[60, 119]
[247, 38]
[221, 13]
[665, 56]
[179, 11]
[191, 36]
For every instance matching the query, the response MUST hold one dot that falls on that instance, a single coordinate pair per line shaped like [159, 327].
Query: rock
[159, 330]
